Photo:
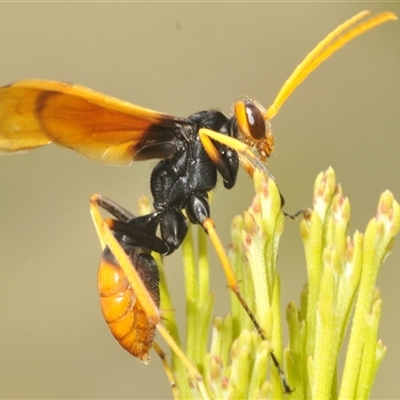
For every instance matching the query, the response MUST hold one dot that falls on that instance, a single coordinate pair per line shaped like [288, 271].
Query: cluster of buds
[231, 359]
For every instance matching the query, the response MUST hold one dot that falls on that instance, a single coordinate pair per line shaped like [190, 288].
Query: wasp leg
[208, 225]
[305, 212]
[142, 296]
[112, 207]
[122, 289]
[250, 162]
[168, 369]
[247, 160]
[108, 240]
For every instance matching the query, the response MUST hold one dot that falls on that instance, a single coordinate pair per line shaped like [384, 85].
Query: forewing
[34, 113]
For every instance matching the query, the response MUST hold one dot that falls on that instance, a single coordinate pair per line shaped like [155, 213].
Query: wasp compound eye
[251, 121]
[254, 127]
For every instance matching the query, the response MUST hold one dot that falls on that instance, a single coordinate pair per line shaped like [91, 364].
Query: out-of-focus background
[179, 58]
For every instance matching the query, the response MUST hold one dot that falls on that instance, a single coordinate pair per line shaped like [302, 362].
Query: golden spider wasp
[193, 151]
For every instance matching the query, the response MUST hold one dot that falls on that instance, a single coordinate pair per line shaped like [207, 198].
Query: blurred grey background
[179, 58]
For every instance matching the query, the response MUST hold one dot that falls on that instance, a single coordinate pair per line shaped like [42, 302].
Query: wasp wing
[34, 113]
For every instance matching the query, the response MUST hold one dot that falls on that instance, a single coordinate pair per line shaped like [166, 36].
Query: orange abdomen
[123, 313]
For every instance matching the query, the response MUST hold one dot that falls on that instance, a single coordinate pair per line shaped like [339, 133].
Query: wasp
[193, 151]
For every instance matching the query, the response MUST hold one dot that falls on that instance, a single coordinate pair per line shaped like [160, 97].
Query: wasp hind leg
[137, 282]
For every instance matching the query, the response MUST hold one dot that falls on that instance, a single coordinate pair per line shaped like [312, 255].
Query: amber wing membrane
[34, 113]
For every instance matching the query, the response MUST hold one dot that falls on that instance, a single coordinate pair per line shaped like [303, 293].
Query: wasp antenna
[324, 49]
